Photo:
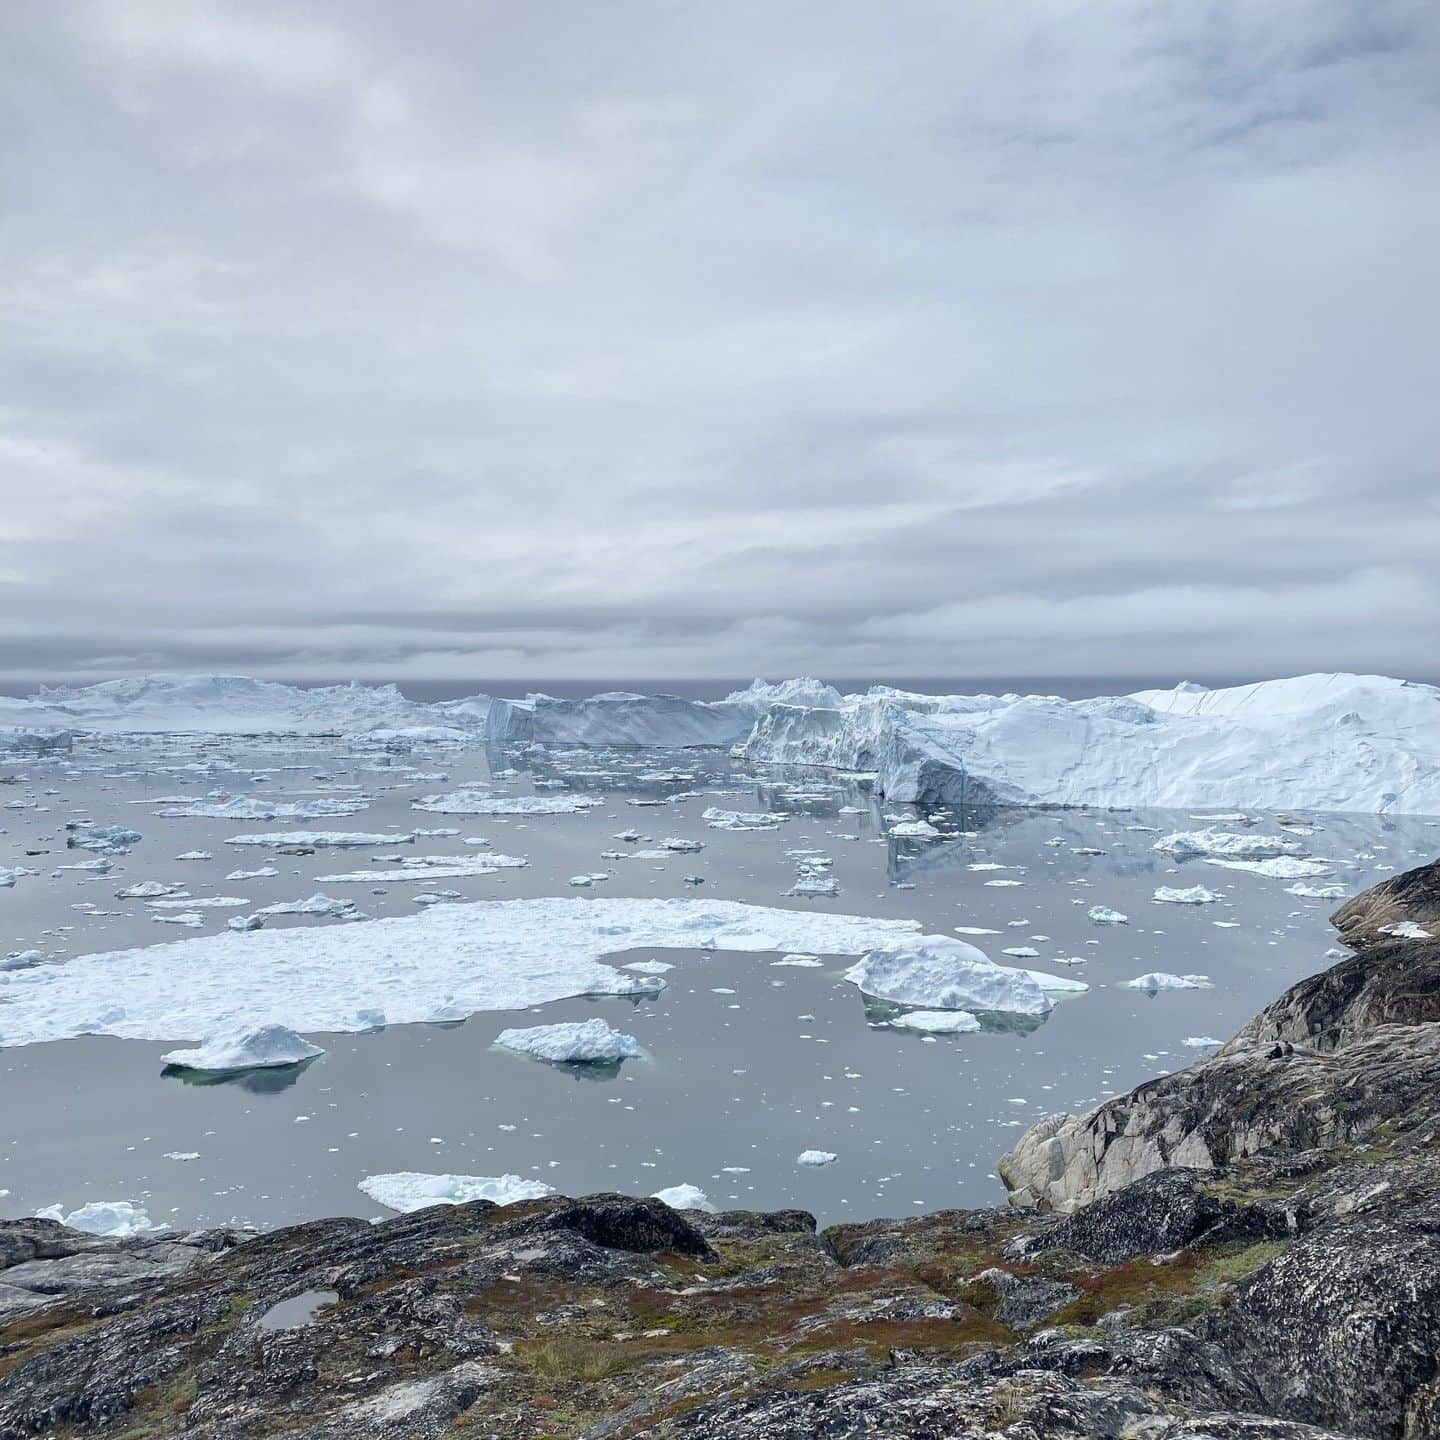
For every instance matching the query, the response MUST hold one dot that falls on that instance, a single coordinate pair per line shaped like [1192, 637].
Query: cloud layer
[686, 340]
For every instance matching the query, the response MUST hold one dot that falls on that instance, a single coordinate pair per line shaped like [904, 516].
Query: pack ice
[448, 962]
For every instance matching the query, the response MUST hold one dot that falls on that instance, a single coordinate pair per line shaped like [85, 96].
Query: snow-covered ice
[488, 955]
[816, 1157]
[938, 1022]
[467, 802]
[1185, 895]
[117, 1219]
[583, 1042]
[410, 1190]
[1327, 742]
[1160, 980]
[428, 867]
[941, 973]
[1104, 915]
[684, 1197]
[262, 1048]
[1226, 844]
[322, 839]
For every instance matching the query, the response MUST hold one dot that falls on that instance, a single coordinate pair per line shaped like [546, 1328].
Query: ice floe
[488, 955]
[1214, 844]
[428, 867]
[1104, 915]
[410, 1190]
[1161, 980]
[816, 1157]
[684, 1197]
[466, 802]
[117, 1219]
[941, 973]
[937, 1022]
[251, 807]
[585, 1042]
[1185, 895]
[321, 839]
[258, 1049]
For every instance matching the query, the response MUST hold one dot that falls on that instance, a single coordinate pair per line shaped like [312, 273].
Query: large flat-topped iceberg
[447, 963]
[622, 720]
[1317, 742]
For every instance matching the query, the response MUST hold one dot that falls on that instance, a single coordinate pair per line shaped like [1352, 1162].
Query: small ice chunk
[1162, 980]
[942, 973]
[1192, 895]
[684, 1197]
[246, 1049]
[410, 1190]
[816, 1157]
[118, 1219]
[1104, 915]
[938, 1022]
[586, 1042]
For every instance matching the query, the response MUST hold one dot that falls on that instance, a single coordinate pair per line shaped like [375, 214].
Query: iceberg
[464, 802]
[319, 904]
[622, 720]
[1192, 895]
[1213, 844]
[321, 839]
[410, 1190]
[936, 972]
[253, 807]
[1327, 742]
[1160, 980]
[583, 1042]
[428, 867]
[937, 1022]
[263, 1048]
[816, 1157]
[116, 1219]
[487, 955]
[684, 1197]
[219, 705]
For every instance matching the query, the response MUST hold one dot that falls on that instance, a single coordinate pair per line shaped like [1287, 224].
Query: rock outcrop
[1339, 1056]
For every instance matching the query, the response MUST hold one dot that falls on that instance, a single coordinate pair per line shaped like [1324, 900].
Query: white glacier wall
[1317, 742]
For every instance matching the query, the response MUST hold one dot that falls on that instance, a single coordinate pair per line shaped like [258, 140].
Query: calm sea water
[746, 1064]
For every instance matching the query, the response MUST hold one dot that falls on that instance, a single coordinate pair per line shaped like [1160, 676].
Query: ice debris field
[340, 950]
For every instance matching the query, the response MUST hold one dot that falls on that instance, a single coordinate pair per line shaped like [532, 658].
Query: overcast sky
[697, 339]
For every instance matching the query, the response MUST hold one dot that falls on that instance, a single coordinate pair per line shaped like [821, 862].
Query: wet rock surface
[1249, 1248]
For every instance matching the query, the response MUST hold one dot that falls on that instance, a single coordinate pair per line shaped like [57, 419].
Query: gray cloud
[692, 340]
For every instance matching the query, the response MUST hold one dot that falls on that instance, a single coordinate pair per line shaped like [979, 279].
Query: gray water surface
[746, 1063]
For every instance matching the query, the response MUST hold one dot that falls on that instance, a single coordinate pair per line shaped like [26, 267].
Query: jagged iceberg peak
[802, 691]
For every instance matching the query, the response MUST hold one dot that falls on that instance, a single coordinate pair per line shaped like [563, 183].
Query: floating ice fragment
[684, 1197]
[241, 1049]
[586, 1042]
[1194, 895]
[1104, 915]
[410, 1190]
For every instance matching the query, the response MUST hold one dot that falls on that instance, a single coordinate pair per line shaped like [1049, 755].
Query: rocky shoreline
[1249, 1247]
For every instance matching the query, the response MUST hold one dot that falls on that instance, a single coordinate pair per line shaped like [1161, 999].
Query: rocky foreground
[1247, 1248]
